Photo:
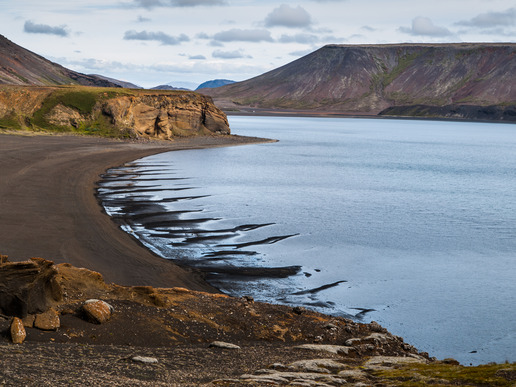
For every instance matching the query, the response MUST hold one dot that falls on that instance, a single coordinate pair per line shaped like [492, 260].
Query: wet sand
[48, 207]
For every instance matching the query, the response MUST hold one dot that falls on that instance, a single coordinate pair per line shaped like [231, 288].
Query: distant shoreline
[260, 112]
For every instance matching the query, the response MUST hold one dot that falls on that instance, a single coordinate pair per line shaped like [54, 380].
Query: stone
[97, 311]
[316, 365]
[47, 321]
[222, 344]
[387, 362]
[28, 287]
[28, 321]
[337, 349]
[18, 333]
[144, 359]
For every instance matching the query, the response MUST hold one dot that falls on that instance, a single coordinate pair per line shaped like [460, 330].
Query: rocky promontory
[111, 112]
[61, 324]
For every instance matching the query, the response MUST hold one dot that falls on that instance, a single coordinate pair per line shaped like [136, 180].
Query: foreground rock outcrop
[178, 337]
[163, 115]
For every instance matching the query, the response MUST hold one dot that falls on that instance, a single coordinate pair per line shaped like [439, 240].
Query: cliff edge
[110, 112]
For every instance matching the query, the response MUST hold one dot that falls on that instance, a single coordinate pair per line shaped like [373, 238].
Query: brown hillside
[371, 78]
[19, 66]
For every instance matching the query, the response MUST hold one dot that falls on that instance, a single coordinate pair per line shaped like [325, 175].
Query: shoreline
[50, 210]
[262, 112]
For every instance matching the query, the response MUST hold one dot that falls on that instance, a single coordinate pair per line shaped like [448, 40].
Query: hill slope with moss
[368, 79]
[110, 112]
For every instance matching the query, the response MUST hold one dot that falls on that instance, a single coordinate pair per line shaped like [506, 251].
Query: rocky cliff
[371, 78]
[111, 112]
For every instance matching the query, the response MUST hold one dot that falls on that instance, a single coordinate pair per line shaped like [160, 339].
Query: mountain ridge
[368, 79]
[19, 66]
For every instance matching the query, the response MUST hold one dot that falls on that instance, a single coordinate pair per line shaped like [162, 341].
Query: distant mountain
[369, 79]
[19, 66]
[124, 84]
[168, 87]
[214, 83]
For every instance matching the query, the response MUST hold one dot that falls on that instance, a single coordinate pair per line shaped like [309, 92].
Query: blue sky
[186, 42]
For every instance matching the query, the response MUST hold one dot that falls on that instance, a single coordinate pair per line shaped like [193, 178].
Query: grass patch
[10, 121]
[439, 374]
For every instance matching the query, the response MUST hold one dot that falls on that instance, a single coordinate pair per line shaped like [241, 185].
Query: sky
[187, 42]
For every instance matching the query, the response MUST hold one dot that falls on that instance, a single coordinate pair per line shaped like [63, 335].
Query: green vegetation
[441, 374]
[10, 121]
[83, 100]
[403, 63]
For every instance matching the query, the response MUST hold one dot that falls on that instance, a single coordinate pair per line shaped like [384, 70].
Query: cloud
[142, 19]
[425, 27]
[229, 54]
[287, 16]
[33, 28]
[197, 57]
[491, 19]
[176, 3]
[238, 35]
[157, 36]
[299, 38]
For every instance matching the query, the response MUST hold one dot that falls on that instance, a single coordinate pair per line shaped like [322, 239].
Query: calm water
[409, 223]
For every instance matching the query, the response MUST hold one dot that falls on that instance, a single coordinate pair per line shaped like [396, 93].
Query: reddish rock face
[166, 116]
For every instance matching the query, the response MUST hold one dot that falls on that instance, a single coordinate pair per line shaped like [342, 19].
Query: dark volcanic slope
[371, 78]
[19, 66]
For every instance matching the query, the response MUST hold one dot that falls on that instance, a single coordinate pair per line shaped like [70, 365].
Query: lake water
[408, 223]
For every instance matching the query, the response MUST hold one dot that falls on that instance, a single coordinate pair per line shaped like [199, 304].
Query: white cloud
[197, 57]
[149, 4]
[491, 19]
[156, 36]
[229, 54]
[287, 16]
[423, 26]
[33, 28]
[239, 35]
[299, 38]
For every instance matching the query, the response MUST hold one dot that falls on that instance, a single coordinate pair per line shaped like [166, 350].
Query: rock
[222, 344]
[144, 359]
[337, 349]
[316, 365]
[28, 287]
[28, 321]
[97, 311]
[387, 362]
[47, 321]
[166, 115]
[18, 333]
[94, 300]
[450, 361]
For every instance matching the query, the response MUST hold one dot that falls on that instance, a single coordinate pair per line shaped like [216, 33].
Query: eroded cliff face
[164, 117]
[133, 113]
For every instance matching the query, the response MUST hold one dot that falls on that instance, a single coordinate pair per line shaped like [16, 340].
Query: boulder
[47, 321]
[18, 333]
[97, 311]
[28, 287]
[223, 345]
